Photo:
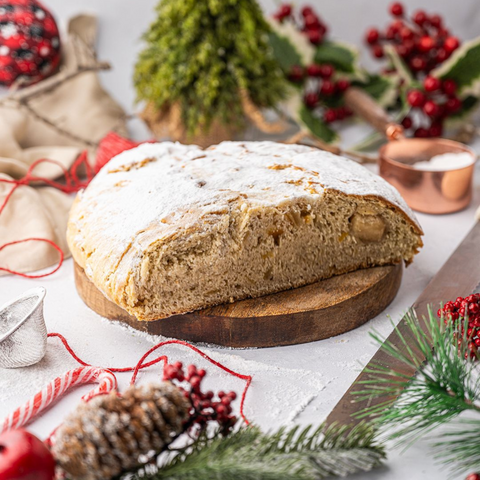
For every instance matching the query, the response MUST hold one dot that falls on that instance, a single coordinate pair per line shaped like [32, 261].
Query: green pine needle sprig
[446, 385]
[249, 454]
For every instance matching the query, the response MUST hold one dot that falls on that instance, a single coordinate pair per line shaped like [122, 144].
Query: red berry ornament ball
[24, 457]
[29, 42]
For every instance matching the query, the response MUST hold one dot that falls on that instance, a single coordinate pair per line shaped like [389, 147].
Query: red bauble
[473, 476]
[29, 40]
[24, 457]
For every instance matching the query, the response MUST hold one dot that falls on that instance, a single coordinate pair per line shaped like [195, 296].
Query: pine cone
[107, 435]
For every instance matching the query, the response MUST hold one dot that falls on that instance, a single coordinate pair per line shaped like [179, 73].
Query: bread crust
[161, 196]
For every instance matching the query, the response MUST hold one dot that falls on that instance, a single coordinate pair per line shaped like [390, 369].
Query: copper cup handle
[365, 107]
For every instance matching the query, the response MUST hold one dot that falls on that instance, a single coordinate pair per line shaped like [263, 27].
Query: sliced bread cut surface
[166, 228]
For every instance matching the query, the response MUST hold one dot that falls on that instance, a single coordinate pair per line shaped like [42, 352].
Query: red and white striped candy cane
[57, 388]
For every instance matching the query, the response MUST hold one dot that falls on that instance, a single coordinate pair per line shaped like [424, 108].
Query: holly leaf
[316, 126]
[290, 46]
[464, 68]
[384, 89]
[400, 66]
[341, 55]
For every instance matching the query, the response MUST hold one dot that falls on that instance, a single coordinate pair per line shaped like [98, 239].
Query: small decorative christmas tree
[207, 65]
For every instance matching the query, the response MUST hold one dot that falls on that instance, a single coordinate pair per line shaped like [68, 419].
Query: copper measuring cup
[424, 190]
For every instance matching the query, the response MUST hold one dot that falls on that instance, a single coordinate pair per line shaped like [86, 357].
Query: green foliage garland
[249, 454]
[202, 54]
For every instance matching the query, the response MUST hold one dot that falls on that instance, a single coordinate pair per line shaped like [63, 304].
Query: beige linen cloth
[56, 119]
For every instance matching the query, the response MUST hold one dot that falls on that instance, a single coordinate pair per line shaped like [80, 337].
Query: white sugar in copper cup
[23, 333]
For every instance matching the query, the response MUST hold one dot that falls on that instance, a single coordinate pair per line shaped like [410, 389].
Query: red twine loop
[140, 365]
[110, 146]
[26, 275]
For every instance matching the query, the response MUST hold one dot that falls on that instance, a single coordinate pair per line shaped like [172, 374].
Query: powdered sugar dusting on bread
[169, 185]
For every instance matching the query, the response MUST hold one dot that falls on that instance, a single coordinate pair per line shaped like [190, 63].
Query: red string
[26, 275]
[72, 184]
[140, 365]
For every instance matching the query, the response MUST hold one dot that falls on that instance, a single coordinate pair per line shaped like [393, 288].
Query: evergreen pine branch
[249, 454]
[460, 448]
[446, 385]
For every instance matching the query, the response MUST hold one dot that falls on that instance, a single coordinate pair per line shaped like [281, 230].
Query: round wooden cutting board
[305, 314]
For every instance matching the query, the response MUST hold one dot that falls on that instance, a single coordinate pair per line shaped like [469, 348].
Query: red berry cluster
[433, 105]
[309, 22]
[323, 90]
[457, 311]
[205, 407]
[421, 40]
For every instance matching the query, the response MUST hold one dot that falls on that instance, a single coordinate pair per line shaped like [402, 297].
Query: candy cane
[57, 388]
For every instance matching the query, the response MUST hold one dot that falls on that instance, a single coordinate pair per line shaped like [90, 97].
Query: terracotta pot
[168, 123]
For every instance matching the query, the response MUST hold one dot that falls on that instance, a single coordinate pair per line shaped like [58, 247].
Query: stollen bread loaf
[166, 228]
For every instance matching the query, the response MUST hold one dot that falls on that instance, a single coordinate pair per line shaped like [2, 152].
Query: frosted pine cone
[107, 435]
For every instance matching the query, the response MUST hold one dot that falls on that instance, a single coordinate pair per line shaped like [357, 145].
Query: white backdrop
[122, 23]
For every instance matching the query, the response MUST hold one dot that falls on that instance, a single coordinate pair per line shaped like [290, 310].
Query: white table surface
[290, 384]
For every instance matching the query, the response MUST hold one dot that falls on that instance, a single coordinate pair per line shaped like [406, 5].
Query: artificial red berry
[178, 365]
[327, 71]
[285, 10]
[315, 36]
[221, 409]
[391, 33]
[311, 21]
[330, 115]
[421, 132]
[407, 123]
[306, 11]
[296, 74]
[415, 98]
[453, 104]
[441, 55]
[449, 87]
[435, 21]
[426, 43]
[431, 84]
[327, 88]
[396, 9]
[195, 382]
[372, 36]
[221, 394]
[435, 130]
[451, 44]
[25, 457]
[314, 70]
[342, 85]
[311, 99]
[418, 63]
[232, 396]
[378, 51]
[402, 50]
[406, 33]
[473, 476]
[431, 108]
[419, 17]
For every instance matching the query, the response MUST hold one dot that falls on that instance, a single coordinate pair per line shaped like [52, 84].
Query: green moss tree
[203, 55]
